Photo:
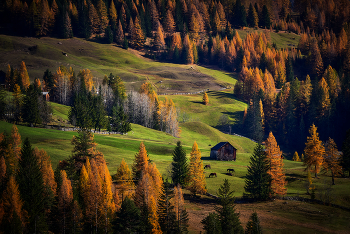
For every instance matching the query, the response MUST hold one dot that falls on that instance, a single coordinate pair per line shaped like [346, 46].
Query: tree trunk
[333, 178]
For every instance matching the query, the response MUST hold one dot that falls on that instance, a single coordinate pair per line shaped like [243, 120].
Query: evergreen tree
[167, 216]
[127, 218]
[252, 17]
[99, 119]
[289, 69]
[32, 189]
[30, 107]
[179, 168]
[212, 224]
[67, 31]
[253, 225]
[257, 182]
[265, 18]
[228, 217]
[119, 38]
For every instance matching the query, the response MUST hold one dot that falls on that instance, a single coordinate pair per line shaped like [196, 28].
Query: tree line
[94, 105]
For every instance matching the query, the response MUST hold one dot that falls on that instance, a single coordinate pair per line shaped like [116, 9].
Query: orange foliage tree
[314, 151]
[274, 156]
[205, 99]
[140, 162]
[124, 179]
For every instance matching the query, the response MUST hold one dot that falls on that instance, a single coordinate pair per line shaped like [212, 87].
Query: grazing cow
[213, 174]
[230, 170]
[207, 166]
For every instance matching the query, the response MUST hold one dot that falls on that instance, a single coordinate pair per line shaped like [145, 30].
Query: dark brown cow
[213, 174]
[207, 166]
[230, 170]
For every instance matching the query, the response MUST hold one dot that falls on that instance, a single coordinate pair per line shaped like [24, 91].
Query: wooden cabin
[223, 151]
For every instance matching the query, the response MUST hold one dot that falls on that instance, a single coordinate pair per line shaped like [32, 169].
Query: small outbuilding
[223, 151]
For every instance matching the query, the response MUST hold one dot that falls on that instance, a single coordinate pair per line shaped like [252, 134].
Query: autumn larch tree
[23, 76]
[179, 168]
[124, 179]
[11, 206]
[119, 37]
[169, 23]
[159, 43]
[296, 157]
[205, 99]
[196, 178]
[274, 157]
[257, 182]
[181, 222]
[140, 165]
[332, 159]
[137, 37]
[314, 151]
[65, 199]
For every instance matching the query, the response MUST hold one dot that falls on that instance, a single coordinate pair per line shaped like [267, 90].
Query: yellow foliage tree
[140, 162]
[12, 207]
[124, 179]
[196, 178]
[274, 157]
[23, 75]
[65, 198]
[296, 157]
[205, 99]
[314, 151]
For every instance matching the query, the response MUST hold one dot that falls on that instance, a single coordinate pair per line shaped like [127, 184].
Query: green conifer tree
[179, 169]
[32, 189]
[257, 182]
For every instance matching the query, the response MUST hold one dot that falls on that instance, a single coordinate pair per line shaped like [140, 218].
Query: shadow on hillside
[207, 158]
[196, 102]
[199, 199]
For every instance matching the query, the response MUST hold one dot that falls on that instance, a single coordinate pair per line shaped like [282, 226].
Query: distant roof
[221, 144]
[45, 93]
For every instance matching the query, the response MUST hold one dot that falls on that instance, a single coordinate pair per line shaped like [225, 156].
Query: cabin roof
[221, 144]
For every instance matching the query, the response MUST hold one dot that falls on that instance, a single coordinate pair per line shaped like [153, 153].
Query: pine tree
[212, 224]
[32, 189]
[179, 168]
[316, 61]
[332, 159]
[289, 70]
[274, 157]
[102, 13]
[205, 98]
[30, 107]
[140, 165]
[229, 219]
[252, 17]
[196, 178]
[67, 31]
[124, 179]
[265, 18]
[253, 225]
[257, 183]
[314, 151]
[167, 216]
[18, 103]
[127, 218]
